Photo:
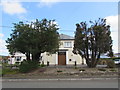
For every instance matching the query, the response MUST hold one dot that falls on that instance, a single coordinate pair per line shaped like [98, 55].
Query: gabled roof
[66, 37]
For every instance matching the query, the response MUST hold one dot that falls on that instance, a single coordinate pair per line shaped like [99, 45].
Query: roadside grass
[0, 71]
[42, 65]
[10, 65]
[9, 71]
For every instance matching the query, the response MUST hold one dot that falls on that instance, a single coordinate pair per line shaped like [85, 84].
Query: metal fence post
[47, 63]
[75, 63]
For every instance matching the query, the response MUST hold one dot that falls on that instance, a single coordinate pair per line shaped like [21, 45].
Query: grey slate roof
[65, 37]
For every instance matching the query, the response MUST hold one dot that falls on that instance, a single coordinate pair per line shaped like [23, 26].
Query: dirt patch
[39, 70]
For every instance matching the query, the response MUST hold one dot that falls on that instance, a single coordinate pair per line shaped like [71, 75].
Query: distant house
[18, 57]
[117, 54]
[64, 56]
[104, 56]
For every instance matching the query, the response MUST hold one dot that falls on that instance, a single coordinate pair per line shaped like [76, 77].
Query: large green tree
[19, 39]
[34, 38]
[92, 41]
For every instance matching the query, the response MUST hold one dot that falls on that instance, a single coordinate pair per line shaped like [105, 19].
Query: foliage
[0, 71]
[10, 65]
[102, 69]
[17, 63]
[110, 64]
[59, 71]
[9, 71]
[5, 64]
[81, 69]
[115, 58]
[106, 58]
[91, 42]
[27, 66]
[113, 70]
[34, 38]
[112, 58]
[0, 62]
[102, 62]
[75, 67]
[42, 65]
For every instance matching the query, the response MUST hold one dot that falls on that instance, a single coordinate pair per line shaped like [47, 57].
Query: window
[18, 58]
[67, 44]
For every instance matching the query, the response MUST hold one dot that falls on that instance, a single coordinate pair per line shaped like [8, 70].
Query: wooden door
[61, 58]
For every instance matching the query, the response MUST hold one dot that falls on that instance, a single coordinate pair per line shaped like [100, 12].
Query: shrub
[75, 67]
[59, 70]
[110, 64]
[27, 66]
[42, 65]
[113, 70]
[9, 71]
[0, 72]
[6, 64]
[102, 69]
[81, 69]
[17, 63]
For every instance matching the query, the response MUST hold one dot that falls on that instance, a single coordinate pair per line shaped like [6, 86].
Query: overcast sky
[66, 14]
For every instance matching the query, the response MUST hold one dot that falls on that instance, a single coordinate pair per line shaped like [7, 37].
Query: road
[112, 83]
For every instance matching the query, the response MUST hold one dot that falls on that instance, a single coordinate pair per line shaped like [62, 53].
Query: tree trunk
[94, 63]
[28, 56]
[36, 57]
[97, 59]
[88, 63]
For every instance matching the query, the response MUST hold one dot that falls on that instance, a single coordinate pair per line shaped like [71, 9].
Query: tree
[44, 37]
[34, 38]
[19, 41]
[91, 42]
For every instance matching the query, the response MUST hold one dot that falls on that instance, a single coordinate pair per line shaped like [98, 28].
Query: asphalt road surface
[62, 84]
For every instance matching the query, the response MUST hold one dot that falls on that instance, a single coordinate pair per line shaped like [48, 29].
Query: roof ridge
[64, 36]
